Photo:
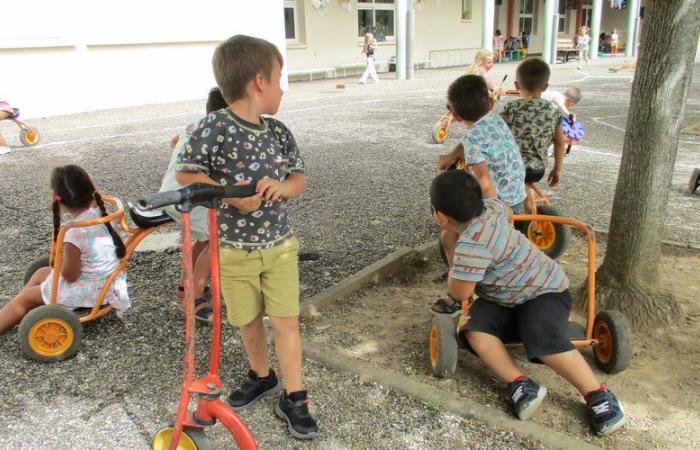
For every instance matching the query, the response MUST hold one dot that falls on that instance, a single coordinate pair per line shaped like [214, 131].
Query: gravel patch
[369, 161]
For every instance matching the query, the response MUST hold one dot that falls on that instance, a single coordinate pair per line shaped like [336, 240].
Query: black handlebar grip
[158, 200]
[241, 190]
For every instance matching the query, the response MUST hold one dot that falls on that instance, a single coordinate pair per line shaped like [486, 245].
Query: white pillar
[410, 41]
[632, 13]
[595, 28]
[489, 7]
[550, 7]
[400, 30]
[555, 35]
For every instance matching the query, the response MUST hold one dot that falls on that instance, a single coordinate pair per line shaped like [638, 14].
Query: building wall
[101, 55]
[331, 39]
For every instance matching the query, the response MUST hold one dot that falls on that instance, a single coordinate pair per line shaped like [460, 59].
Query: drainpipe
[400, 15]
[549, 10]
[410, 41]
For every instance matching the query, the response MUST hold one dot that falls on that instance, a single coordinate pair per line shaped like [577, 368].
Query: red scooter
[187, 432]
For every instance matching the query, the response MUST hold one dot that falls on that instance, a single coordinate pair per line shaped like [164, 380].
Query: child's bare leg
[201, 272]
[255, 344]
[2, 141]
[573, 368]
[288, 349]
[494, 354]
[13, 313]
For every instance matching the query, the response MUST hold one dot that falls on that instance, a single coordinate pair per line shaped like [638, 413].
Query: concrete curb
[369, 276]
[449, 402]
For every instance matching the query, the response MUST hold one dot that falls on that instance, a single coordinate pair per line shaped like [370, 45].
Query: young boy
[488, 151]
[200, 224]
[258, 251]
[535, 122]
[565, 101]
[523, 294]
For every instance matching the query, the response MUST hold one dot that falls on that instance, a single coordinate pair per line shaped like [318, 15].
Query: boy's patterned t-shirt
[506, 267]
[490, 141]
[229, 149]
[534, 124]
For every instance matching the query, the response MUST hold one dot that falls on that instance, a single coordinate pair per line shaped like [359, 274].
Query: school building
[67, 57]
[325, 37]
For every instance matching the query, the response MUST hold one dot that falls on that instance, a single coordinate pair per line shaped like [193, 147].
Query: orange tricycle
[607, 332]
[53, 332]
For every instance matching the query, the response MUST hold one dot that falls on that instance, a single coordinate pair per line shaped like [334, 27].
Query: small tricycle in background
[608, 331]
[53, 332]
[28, 135]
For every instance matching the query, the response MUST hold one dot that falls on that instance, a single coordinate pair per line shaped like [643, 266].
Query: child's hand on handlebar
[245, 205]
[271, 190]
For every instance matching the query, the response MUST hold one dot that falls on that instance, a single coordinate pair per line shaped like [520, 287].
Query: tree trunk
[628, 279]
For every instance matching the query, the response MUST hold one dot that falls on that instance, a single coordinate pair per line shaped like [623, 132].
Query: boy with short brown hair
[535, 123]
[258, 250]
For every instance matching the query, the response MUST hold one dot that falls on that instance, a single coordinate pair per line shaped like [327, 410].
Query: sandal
[442, 307]
[181, 290]
[203, 310]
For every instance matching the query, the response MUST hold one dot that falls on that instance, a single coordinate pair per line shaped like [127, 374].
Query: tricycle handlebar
[198, 192]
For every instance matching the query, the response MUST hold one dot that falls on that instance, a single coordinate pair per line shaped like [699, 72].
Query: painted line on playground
[600, 121]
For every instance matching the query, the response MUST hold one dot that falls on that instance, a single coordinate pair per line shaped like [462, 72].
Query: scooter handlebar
[197, 192]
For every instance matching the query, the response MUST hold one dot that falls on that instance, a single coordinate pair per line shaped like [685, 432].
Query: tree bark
[628, 279]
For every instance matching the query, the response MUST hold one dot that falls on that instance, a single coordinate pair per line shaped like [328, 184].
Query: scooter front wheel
[190, 439]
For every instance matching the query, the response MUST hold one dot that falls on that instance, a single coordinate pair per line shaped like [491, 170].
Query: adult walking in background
[368, 50]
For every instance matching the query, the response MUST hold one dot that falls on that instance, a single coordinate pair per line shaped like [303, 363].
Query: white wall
[83, 55]
[331, 39]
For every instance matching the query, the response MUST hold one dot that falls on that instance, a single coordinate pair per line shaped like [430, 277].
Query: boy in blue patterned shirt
[258, 250]
[523, 295]
[488, 150]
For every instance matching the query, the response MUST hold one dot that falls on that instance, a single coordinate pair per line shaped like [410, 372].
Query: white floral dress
[98, 259]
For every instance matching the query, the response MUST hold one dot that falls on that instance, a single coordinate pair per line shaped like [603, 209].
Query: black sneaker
[294, 409]
[604, 411]
[525, 395]
[253, 389]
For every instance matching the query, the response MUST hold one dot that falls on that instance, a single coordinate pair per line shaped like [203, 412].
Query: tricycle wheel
[29, 136]
[613, 352]
[50, 333]
[439, 132]
[442, 345]
[551, 238]
[190, 439]
[34, 266]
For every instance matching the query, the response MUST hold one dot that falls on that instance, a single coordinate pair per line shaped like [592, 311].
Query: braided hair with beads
[73, 188]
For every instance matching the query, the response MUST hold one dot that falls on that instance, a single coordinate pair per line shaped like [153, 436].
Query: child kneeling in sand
[523, 295]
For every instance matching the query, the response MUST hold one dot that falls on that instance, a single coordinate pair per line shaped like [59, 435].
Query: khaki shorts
[260, 280]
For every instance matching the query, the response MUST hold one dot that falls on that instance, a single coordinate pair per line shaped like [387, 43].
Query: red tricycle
[187, 431]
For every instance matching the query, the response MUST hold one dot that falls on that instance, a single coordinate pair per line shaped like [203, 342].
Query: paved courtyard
[369, 161]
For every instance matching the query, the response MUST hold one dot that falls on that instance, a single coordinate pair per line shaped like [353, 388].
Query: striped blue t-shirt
[507, 267]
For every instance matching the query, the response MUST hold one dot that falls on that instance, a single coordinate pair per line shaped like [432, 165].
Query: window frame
[372, 5]
[471, 11]
[532, 15]
[293, 5]
[563, 5]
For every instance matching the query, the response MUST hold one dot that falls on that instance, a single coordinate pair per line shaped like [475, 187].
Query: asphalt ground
[369, 161]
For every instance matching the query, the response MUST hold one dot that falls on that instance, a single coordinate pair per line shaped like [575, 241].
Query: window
[291, 20]
[587, 14]
[467, 10]
[377, 17]
[527, 20]
[563, 16]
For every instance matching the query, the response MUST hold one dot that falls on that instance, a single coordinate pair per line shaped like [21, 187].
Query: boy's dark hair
[468, 96]
[533, 74]
[238, 60]
[215, 101]
[457, 194]
[72, 187]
